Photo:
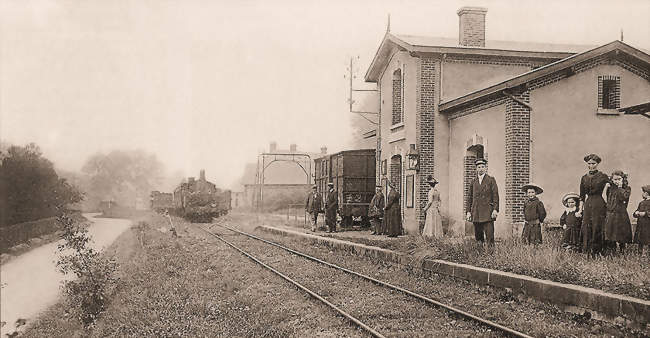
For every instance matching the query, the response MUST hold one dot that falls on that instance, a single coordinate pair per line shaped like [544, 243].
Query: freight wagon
[353, 175]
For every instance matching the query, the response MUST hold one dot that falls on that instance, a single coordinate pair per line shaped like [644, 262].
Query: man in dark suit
[331, 206]
[483, 203]
[313, 206]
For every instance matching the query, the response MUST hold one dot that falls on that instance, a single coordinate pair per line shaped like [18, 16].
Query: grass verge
[626, 273]
[186, 286]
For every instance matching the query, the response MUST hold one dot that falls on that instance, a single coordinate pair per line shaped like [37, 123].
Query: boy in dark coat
[642, 213]
[534, 215]
[570, 222]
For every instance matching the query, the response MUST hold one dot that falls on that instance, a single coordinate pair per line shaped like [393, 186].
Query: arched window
[397, 97]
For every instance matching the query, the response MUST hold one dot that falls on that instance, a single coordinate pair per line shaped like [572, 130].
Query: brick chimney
[323, 150]
[273, 147]
[293, 147]
[471, 26]
[202, 175]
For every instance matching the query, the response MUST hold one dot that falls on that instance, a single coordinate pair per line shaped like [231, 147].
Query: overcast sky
[207, 84]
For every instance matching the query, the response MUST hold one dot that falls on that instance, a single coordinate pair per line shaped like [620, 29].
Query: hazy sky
[207, 84]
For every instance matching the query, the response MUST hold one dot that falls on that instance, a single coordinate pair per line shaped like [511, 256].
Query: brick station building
[532, 110]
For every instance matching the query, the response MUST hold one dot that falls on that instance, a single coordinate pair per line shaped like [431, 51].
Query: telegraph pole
[351, 76]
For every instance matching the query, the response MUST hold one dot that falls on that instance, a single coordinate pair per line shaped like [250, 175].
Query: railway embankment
[575, 298]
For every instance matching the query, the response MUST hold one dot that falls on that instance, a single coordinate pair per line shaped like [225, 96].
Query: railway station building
[532, 110]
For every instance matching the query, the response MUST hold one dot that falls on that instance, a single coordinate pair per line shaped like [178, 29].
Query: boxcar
[353, 175]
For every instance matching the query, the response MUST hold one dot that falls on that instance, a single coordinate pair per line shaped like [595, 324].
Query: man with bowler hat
[331, 206]
[483, 203]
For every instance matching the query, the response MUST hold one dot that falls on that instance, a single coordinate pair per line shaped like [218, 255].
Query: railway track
[356, 321]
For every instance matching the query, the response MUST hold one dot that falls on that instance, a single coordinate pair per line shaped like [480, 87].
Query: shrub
[32, 188]
[87, 294]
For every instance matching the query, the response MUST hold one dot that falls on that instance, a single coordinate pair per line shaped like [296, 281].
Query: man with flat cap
[483, 203]
[376, 211]
[331, 206]
[313, 206]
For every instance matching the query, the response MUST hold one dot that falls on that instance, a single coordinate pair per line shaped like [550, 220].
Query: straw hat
[537, 188]
[569, 196]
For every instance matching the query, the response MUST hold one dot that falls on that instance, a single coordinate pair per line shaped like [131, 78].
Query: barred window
[609, 92]
[397, 97]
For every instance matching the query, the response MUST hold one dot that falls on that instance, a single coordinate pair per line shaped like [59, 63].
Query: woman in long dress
[593, 208]
[433, 220]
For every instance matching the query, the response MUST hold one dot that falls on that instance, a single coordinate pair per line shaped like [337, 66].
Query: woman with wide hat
[433, 220]
[592, 206]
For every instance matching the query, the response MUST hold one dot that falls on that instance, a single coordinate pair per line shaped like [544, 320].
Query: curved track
[427, 300]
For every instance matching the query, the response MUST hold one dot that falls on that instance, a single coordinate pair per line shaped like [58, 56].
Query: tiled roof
[561, 65]
[425, 44]
[430, 41]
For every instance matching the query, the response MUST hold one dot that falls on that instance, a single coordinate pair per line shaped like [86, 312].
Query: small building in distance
[285, 182]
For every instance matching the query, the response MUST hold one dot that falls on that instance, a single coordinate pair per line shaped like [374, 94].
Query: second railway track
[350, 293]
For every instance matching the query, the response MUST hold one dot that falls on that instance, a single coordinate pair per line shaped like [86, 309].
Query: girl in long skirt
[433, 220]
[617, 224]
[642, 213]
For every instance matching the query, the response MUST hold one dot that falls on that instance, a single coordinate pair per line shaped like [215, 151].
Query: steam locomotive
[196, 200]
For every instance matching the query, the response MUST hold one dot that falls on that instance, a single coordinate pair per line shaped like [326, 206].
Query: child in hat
[570, 222]
[534, 215]
[642, 213]
[618, 228]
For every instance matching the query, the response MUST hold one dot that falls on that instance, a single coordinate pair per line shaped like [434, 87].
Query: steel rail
[354, 320]
[428, 300]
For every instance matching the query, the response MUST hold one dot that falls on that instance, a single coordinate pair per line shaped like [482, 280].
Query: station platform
[574, 298]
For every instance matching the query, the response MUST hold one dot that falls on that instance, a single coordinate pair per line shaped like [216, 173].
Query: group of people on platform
[595, 221]
[385, 216]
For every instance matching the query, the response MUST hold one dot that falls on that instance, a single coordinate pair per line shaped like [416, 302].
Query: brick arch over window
[397, 97]
[475, 150]
[396, 172]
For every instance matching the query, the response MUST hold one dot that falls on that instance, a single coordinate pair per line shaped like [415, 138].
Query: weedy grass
[624, 273]
[181, 286]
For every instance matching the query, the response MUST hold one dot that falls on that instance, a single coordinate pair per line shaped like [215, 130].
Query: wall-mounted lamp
[413, 158]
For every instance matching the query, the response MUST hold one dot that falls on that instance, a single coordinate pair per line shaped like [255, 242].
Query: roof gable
[423, 45]
[617, 48]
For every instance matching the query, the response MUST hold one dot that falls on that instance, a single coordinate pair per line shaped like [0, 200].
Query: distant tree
[123, 175]
[30, 187]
